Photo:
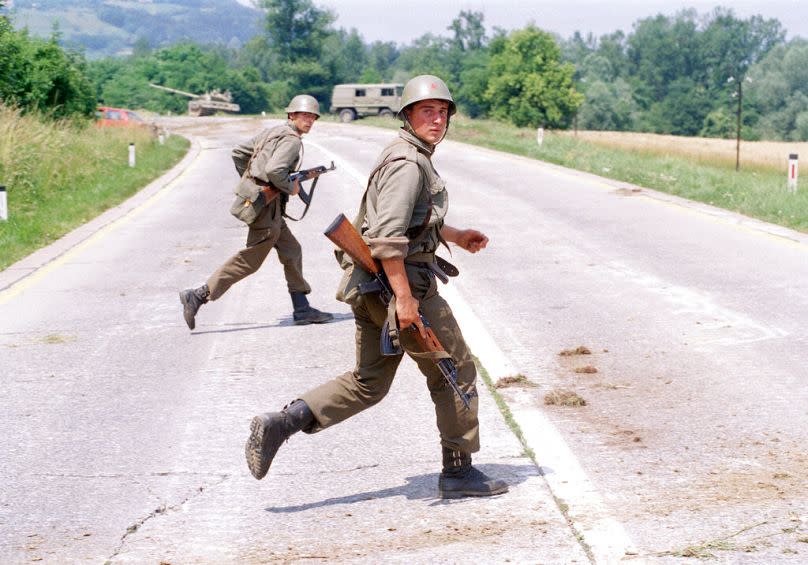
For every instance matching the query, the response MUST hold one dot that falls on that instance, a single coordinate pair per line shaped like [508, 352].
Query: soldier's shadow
[418, 487]
[286, 321]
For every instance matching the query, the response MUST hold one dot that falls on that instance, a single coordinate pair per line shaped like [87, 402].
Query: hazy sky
[404, 20]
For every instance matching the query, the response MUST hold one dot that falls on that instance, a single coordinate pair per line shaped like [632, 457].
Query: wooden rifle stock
[344, 235]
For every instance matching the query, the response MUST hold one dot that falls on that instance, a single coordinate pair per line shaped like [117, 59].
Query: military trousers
[369, 382]
[260, 241]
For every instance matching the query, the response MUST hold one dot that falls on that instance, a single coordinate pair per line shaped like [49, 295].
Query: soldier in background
[402, 220]
[280, 154]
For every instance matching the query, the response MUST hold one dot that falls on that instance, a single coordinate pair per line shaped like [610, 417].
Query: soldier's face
[429, 119]
[303, 120]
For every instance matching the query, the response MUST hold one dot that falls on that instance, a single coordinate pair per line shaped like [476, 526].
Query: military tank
[205, 104]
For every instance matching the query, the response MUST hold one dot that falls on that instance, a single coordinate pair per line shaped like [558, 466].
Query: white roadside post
[131, 154]
[793, 170]
[540, 136]
[3, 204]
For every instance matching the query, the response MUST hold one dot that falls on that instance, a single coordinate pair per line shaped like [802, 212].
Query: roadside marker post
[540, 136]
[131, 154]
[793, 170]
[3, 204]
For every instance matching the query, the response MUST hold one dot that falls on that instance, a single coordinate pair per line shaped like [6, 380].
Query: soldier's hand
[471, 240]
[407, 313]
[295, 187]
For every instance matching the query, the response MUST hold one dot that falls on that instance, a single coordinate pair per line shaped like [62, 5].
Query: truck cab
[351, 101]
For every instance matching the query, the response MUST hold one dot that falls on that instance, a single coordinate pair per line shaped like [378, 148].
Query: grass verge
[758, 191]
[59, 175]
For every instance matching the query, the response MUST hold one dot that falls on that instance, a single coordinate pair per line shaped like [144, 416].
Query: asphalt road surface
[122, 432]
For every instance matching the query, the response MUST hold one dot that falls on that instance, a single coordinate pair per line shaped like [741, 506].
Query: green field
[759, 192]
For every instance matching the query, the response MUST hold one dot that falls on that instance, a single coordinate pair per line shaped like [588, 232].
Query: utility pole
[739, 94]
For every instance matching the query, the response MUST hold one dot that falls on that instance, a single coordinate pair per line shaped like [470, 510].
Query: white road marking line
[605, 536]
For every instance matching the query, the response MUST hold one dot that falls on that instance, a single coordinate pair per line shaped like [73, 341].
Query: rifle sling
[306, 209]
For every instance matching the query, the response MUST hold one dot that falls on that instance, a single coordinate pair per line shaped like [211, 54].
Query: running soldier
[402, 220]
[278, 153]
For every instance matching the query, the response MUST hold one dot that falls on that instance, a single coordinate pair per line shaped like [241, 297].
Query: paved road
[122, 432]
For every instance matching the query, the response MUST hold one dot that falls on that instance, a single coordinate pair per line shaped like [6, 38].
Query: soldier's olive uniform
[398, 200]
[401, 218]
[281, 154]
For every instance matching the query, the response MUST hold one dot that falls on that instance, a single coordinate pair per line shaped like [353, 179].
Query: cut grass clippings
[515, 380]
[580, 350]
[560, 397]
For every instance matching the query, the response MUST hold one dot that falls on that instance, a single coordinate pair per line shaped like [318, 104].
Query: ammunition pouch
[252, 196]
[353, 278]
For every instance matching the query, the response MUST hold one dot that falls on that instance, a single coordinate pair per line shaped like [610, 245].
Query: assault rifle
[304, 175]
[344, 235]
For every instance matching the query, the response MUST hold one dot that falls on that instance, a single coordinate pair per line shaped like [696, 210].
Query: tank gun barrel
[174, 90]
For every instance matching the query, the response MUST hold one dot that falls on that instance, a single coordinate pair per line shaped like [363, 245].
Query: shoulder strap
[270, 136]
[363, 207]
[360, 216]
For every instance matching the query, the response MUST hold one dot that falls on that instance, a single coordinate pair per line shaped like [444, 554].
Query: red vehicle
[118, 117]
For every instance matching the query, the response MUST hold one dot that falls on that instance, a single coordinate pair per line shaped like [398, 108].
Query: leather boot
[304, 313]
[268, 431]
[192, 299]
[459, 479]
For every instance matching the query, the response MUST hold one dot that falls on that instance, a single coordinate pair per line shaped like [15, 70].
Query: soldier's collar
[409, 137]
[293, 127]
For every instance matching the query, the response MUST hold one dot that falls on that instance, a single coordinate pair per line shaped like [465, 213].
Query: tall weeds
[59, 174]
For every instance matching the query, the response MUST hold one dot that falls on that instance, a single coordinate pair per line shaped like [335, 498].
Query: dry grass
[60, 174]
[560, 397]
[514, 380]
[754, 154]
[580, 350]
[586, 369]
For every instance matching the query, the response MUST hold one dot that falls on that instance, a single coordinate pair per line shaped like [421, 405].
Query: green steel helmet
[425, 87]
[304, 103]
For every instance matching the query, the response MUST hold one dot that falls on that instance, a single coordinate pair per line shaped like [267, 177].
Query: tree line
[686, 75]
[679, 74]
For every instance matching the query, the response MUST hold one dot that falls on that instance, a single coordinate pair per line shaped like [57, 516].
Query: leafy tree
[662, 50]
[468, 31]
[428, 54]
[295, 29]
[186, 66]
[345, 56]
[296, 32]
[779, 91]
[382, 59]
[39, 75]
[731, 46]
[608, 106]
[528, 84]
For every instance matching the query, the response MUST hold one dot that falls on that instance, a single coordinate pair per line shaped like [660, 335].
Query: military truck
[351, 101]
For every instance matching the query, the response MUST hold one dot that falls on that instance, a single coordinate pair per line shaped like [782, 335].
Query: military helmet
[425, 87]
[304, 103]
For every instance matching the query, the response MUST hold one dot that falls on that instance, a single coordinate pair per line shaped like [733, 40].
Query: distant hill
[106, 28]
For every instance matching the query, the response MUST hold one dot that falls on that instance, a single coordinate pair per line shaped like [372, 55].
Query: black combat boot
[460, 479]
[305, 314]
[192, 299]
[268, 431]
